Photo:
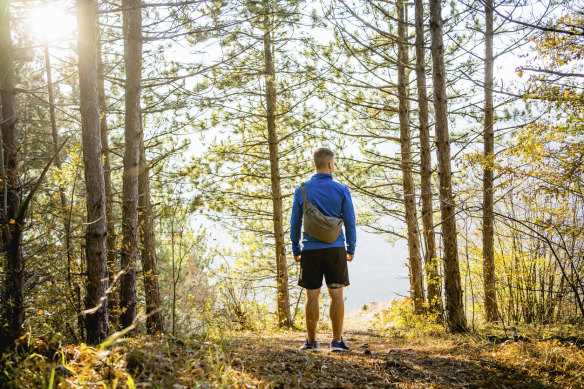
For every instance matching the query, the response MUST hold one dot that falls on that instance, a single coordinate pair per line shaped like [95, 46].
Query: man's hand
[297, 258]
[350, 257]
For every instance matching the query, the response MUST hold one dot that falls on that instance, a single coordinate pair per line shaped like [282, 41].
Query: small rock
[367, 352]
[63, 371]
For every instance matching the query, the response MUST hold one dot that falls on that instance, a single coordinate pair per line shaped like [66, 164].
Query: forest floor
[273, 360]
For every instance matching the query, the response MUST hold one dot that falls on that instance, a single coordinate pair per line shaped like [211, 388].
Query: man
[317, 258]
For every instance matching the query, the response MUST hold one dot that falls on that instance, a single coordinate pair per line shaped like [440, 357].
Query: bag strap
[304, 193]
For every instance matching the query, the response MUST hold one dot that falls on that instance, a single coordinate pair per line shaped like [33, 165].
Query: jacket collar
[322, 176]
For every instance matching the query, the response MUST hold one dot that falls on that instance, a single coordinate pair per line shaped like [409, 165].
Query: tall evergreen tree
[433, 282]
[132, 26]
[264, 92]
[96, 322]
[113, 297]
[407, 165]
[456, 319]
[12, 311]
[488, 213]
[270, 79]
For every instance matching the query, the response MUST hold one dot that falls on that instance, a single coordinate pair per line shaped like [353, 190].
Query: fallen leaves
[273, 360]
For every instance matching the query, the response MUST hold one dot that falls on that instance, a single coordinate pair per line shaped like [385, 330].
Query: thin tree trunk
[113, 297]
[456, 319]
[154, 321]
[488, 218]
[57, 163]
[284, 319]
[415, 260]
[174, 280]
[96, 322]
[12, 306]
[432, 278]
[132, 20]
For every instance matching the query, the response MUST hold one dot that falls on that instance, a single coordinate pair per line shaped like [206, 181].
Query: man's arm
[349, 220]
[296, 224]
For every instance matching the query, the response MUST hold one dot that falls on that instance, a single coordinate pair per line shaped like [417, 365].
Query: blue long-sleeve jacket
[332, 199]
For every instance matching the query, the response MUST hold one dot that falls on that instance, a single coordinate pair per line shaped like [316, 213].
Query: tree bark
[12, 306]
[154, 320]
[488, 218]
[96, 322]
[432, 278]
[113, 297]
[415, 260]
[284, 319]
[132, 21]
[456, 319]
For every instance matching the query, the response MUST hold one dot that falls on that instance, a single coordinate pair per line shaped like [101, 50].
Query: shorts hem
[334, 285]
[309, 287]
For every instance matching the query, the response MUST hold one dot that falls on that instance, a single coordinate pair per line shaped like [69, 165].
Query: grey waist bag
[319, 226]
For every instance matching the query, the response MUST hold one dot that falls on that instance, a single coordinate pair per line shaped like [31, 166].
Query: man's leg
[337, 311]
[312, 296]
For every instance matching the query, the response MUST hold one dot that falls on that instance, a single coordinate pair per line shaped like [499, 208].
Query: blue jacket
[332, 199]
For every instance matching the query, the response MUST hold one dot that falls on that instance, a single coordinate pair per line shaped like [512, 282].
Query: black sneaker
[339, 345]
[312, 346]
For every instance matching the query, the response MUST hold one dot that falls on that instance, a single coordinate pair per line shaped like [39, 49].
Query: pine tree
[96, 322]
[456, 319]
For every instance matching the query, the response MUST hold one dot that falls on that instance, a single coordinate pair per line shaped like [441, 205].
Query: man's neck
[324, 172]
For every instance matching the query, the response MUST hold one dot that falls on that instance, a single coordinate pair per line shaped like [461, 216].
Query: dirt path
[273, 360]
[276, 361]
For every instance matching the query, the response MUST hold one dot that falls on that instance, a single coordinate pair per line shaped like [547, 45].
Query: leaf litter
[274, 360]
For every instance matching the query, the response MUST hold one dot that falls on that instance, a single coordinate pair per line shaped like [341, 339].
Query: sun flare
[52, 23]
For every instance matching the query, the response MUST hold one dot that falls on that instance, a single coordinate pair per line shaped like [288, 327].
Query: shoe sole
[338, 349]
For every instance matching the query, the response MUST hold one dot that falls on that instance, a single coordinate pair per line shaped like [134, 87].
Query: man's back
[332, 199]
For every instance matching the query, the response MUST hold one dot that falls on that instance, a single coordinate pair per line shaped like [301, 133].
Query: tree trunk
[154, 319]
[456, 319]
[488, 218]
[432, 278]
[132, 20]
[284, 319]
[12, 306]
[113, 297]
[415, 260]
[57, 163]
[96, 322]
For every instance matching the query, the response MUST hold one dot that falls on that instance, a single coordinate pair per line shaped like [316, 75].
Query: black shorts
[330, 262]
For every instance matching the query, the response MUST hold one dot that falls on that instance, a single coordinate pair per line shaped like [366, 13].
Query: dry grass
[272, 359]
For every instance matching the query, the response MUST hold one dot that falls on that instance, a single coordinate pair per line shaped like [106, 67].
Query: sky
[378, 272]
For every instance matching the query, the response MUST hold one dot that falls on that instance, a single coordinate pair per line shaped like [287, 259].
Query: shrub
[400, 316]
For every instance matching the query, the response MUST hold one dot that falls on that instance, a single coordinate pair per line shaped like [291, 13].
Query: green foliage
[399, 317]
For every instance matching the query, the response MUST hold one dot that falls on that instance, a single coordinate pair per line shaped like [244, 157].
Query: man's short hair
[322, 156]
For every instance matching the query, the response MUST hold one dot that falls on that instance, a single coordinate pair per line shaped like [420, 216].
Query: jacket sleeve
[349, 220]
[296, 223]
